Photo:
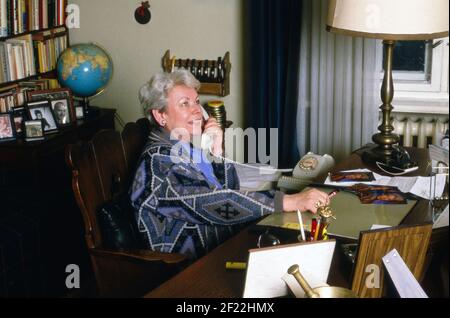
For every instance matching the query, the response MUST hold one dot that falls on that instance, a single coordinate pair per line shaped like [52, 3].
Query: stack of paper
[438, 154]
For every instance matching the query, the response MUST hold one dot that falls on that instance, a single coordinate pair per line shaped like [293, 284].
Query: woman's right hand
[308, 200]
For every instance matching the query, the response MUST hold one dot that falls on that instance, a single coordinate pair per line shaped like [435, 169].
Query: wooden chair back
[410, 241]
[103, 169]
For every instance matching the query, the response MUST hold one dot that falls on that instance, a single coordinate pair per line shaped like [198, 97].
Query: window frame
[412, 92]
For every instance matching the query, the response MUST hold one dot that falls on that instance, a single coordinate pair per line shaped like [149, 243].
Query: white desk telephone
[306, 170]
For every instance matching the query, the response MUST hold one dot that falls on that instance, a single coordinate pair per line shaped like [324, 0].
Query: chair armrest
[141, 255]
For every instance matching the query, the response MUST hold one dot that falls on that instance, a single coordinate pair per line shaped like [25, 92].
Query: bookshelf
[32, 36]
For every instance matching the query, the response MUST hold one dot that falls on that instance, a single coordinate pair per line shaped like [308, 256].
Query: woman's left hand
[213, 128]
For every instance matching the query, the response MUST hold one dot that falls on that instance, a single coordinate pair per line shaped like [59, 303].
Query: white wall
[201, 29]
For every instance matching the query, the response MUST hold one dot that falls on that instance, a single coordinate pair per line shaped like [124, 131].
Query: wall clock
[143, 14]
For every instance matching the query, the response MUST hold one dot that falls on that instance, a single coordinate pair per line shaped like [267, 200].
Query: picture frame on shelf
[19, 116]
[61, 109]
[29, 86]
[7, 131]
[53, 95]
[33, 130]
[50, 94]
[35, 85]
[42, 110]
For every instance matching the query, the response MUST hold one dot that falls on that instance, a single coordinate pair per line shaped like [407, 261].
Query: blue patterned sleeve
[226, 174]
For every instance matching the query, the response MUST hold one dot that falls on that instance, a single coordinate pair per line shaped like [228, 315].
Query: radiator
[419, 131]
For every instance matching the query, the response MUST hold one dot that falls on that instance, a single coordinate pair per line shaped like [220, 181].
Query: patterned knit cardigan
[178, 210]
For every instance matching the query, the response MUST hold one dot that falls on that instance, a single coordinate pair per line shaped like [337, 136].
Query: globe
[86, 69]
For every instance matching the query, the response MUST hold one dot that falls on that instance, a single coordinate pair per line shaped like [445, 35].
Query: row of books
[15, 95]
[27, 55]
[19, 16]
[17, 59]
[48, 50]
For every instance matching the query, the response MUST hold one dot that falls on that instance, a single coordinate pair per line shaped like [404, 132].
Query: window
[412, 60]
[420, 74]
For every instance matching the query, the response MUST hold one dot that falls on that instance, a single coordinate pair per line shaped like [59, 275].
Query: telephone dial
[306, 170]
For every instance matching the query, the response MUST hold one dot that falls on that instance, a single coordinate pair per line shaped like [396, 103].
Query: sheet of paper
[424, 187]
[404, 184]
[404, 281]
[438, 154]
[252, 178]
[379, 227]
[267, 266]
[442, 219]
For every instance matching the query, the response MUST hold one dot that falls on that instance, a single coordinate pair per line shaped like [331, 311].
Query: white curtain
[338, 87]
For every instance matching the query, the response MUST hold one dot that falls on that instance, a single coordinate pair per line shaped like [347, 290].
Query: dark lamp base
[398, 157]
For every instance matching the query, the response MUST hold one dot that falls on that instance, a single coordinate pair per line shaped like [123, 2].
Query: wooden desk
[208, 278]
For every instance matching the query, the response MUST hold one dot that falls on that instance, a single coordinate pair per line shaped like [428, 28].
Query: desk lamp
[391, 21]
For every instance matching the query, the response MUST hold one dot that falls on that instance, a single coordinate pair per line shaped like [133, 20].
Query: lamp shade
[389, 19]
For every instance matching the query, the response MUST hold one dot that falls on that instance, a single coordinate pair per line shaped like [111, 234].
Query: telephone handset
[207, 142]
[306, 170]
[207, 139]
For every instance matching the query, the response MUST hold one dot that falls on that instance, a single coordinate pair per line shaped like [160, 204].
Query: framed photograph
[53, 95]
[79, 112]
[19, 116]
[61, 109]
[7, 131]
[43, 111]
[33, 130]
[35, 85]
[57, 93]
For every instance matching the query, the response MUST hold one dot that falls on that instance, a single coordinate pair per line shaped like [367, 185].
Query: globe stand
[88, 110]
[85, 103]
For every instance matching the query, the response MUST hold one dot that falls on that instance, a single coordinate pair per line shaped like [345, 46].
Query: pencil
[300, 221]
[313, 229]
[316, 234]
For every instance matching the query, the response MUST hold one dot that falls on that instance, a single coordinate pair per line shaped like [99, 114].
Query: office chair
[102, 172]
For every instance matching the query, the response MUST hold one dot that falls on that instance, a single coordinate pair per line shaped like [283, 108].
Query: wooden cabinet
[35, 184]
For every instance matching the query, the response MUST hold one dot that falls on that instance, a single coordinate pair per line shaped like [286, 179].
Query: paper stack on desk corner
[438, 154]
[419, 186]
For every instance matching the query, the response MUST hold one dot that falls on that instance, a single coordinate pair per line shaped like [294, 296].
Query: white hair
[153, 94]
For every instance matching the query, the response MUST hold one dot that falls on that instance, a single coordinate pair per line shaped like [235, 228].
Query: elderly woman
[186, 200]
